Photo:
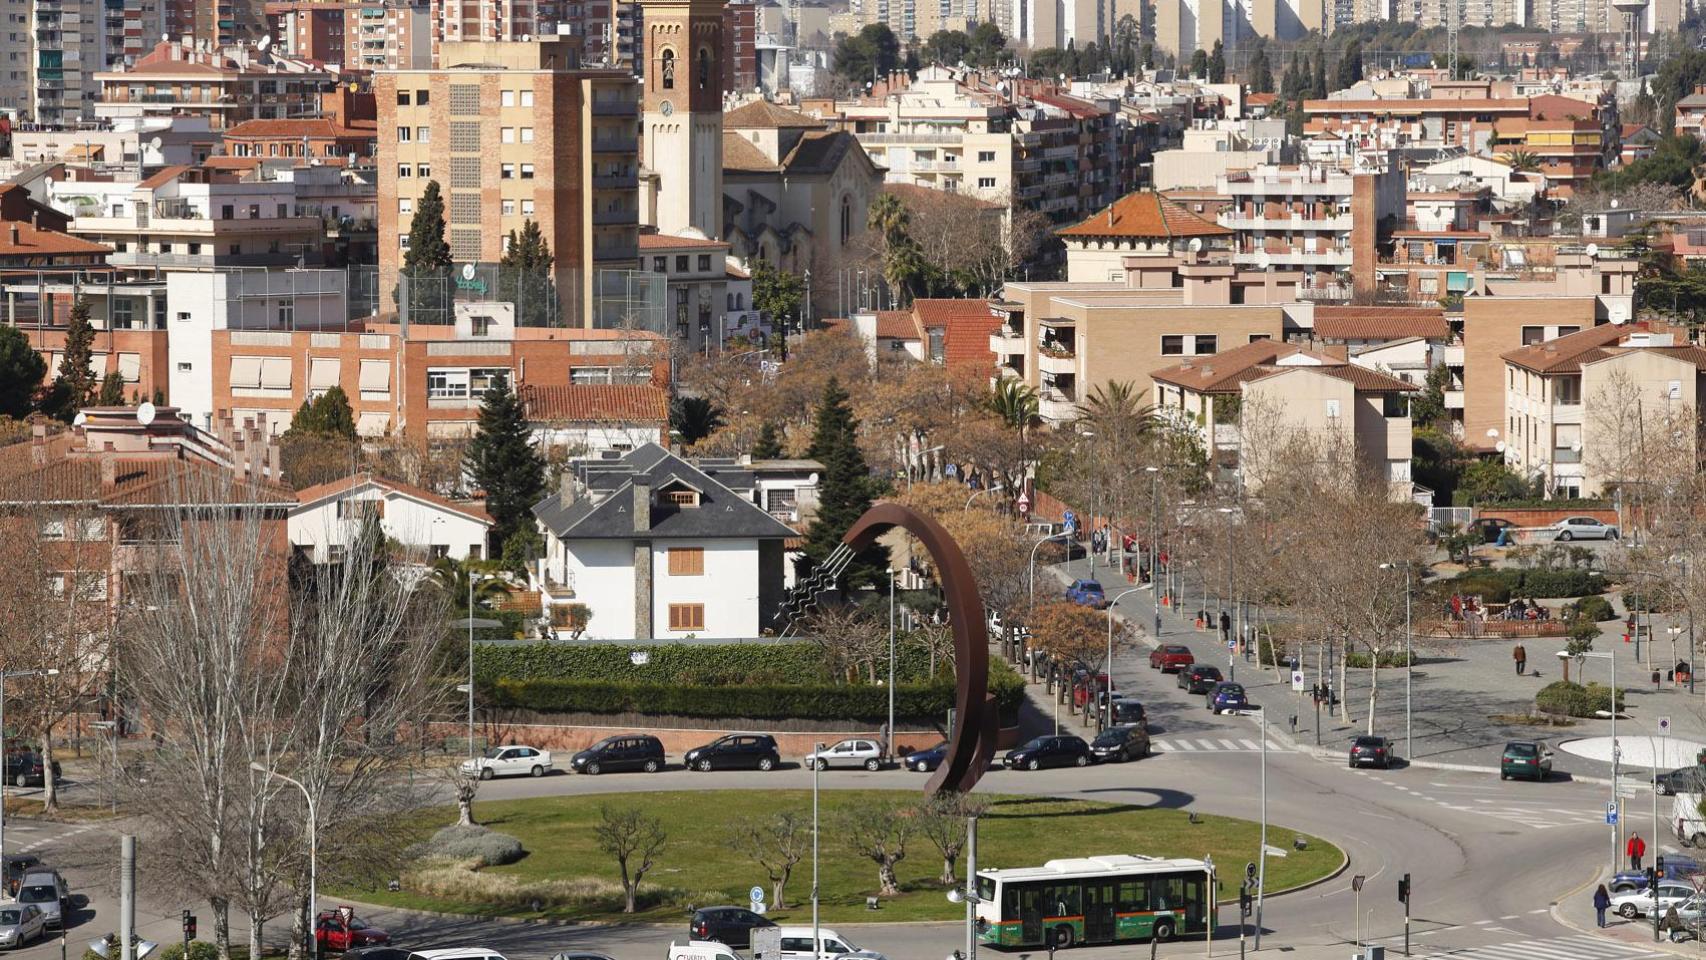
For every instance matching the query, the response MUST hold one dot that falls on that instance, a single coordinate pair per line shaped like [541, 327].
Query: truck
[1687, 821]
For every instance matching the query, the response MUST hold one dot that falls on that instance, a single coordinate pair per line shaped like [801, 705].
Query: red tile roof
[663, 241]
[36, 242]
[297, 127]
[1228, 372]
[1566, 354]
[1380, 323]
[138, 481]
[764, 115]
[1145, 214]
[598, 403]
[966, 324]
[333, 488]
[896, 325]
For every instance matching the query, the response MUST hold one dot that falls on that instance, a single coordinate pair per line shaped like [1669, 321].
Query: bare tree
[777, 843]
[635, 840]
[942, 820]
[879, 833]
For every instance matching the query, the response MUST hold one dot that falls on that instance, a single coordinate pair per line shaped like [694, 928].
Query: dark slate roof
[605, 509]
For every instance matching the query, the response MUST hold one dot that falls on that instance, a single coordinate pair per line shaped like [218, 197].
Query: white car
[701, 950]
[511, 761]
[848, 753]
[797, 944]
[1636, 903]
[1583, 528]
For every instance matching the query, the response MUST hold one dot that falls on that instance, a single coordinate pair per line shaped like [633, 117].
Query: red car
[342, 930]
[1171, 656]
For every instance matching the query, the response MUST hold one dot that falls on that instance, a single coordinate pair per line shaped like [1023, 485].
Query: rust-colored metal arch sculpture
[971, 740]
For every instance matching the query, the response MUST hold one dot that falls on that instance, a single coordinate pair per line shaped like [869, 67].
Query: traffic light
[1404, 889]
[1659, 865]
[1244, 900]
[189, 925]
[1649, 872]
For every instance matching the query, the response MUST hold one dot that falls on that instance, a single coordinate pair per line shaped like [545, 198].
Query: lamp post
[313, 854]
[1155, 542]
[1031, 607]
[472, 622]
[1094, 496]
[1617, 828]
[1409, 740]
[888, 738]
[1231, 649]
[969, 896]
[816, 942]
[1105, 716]
[6, 675]
[111, 726]
[978, 493]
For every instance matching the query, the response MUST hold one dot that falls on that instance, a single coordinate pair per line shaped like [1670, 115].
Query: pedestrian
[1225, 626]
[1601, 902]
[1636, 848]
[1520, 655]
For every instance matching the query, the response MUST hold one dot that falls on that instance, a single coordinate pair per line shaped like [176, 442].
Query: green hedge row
[1575, 700]
[677, 663]
[1498, 586]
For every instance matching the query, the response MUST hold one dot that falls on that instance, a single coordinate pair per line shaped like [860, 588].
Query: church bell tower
[682, 112]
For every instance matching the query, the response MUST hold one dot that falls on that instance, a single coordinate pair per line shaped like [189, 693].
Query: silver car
[1583, 528]
[47, 892]
[21, 924]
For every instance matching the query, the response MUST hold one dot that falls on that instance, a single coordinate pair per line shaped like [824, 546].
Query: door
[632, 754]
[1099, 909]
[1030, 914]
[751, 752]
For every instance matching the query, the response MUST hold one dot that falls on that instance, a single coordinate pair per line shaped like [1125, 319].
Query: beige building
[1602, 406]
[1137, 225]
[1255, 405]
[514, 132]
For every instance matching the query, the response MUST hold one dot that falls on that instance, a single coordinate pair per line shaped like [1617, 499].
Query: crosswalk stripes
[1208, 744]
[1580, 947]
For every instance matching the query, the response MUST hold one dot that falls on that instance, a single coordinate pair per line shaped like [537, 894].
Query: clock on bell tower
[682, 112]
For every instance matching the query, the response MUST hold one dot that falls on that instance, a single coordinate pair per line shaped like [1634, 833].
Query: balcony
[903, 139]
[614, 107]
[1453, 355]
[627, 181]
[1057, 407]
[200, 261]
[1564, 414]
[1319, 224]
[1005, 342]
[615, 145]
[1331, 258]
[1454, 399]
[608, 218]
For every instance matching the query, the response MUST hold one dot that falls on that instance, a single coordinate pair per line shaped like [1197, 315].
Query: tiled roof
[764, 115]
[1145, 214]
[819, 151]
[343, 485]
[914, 192]
[1364, 379]
[664, 241]
[598, 403]
[164, 176]
[896, 325]
[967, 323]
[36, 242]
[299, 127]
[605, 511]
[740, 154]
[1380, 323]
[1224, 371]
[138, 481]
[1566, 354]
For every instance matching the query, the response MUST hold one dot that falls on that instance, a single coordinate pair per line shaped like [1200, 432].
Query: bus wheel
[1062, 937]
[1163, 929]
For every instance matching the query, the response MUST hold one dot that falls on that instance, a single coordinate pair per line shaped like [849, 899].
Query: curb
[1663, 945]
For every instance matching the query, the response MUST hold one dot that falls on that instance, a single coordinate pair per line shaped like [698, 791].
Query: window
[405, 206]
[404, 171]
[686, 616]
[846, 219]
[682, 498]
[667, 70]
[1333, 409]
[1206, 345]
[681, 263]
[507, 98]
[53, 529]
[480, 326]
[704, 68]
[402, 98]
[527, 208]
[423, 170]
[423, 134]
[507, 207]
[423, 97]
[1533, 335]
[527, 171]
[526, 134]
[704, 261]
[287, 313]
[686, 561]
[585, 375]
[527, 98]
[506, 171]
[986, 156]
[1394, 405]
[660, 264]
[402, 241]
[506, 135]
[986, 183]
[227, 211]
[1172, 346]
[402, 134]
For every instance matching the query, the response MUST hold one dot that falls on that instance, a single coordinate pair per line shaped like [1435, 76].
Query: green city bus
[1093, 900]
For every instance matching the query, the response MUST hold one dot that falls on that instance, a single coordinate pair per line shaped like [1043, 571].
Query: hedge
[709, 664]
[1574, 700]
[1498, 586]
[1358, 660]
[926, 702]
[1595, 608]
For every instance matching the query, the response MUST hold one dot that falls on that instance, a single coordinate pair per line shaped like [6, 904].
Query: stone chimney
[566, 486]
[109, 472]
[38, 444]
[642, 506]
[14, 231]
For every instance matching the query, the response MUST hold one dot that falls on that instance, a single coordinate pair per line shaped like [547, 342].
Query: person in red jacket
[1637, 848]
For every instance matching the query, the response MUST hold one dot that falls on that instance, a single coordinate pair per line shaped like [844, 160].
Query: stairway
[802, 599]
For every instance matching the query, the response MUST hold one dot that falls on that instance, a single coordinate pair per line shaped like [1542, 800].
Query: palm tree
[1015, 403]
[890, 217]
[453, 576]
[1521, 161]
[1117, 406]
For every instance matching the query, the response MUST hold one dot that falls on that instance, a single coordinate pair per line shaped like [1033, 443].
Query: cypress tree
[112, 390]
[845, 488]
[524, 276]
[502, 461]
[769, 444]
[427, 262]
[1217, 64]
[76, 385]
[336, 418]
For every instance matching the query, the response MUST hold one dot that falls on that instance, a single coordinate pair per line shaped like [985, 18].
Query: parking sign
[1611, 813]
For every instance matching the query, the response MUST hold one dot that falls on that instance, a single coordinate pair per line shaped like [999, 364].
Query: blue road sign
[1611, 813]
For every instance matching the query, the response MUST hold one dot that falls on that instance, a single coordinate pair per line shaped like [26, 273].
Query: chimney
[109, 473]
[642, 505]
[38, 444]
[14, 235]
[566, 486]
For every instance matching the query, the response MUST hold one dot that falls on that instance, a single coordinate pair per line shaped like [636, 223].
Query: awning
[275, 373]
[375, 376]
[323, 373]
[373, 424]
[246, 372]
[130, 366]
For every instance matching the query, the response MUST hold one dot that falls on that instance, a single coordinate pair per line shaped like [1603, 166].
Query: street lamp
[1611, 655]
[815, 768]
[1231, 649]
[6, 675]
[313, 854]
[969, 896]
[1105, 717]
[888, 738]
[1053, 536]
[978, 493]
[1409, 741]
[111, 726]
[1155, 542]
[472, 623]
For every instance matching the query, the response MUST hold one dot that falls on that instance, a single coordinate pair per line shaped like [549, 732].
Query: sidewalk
[1575, 910]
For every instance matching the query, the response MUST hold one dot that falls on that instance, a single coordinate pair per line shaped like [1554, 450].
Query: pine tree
[112, 390]
[426, 265]
[1199, 63]
[75, 386]
[845, 488]
[524, 277]
[1217, 64]
[305, 422]
[1261, 73]
[21, 372]
[502, 461]
[1318, 81]
[334, 414]
[769, 445]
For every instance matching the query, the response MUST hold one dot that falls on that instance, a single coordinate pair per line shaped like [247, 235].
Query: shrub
[1357, 659]
[463, 881]
[199, 950]
[1498, 586]
[720, 664]
[1593, 608]
[1574, 700]
[481, 845]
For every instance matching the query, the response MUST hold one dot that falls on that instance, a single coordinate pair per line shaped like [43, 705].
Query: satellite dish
[1614, 203]
[145, 413]
[1492, 431]
[155, 143]
[1195, 246]
[1618, 321]
[80, 419]
[1593, 250]
[1500, 446]
[263, 44]
[1577, 446]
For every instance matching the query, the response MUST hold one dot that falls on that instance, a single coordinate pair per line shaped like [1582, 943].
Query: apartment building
[1142, 224]
[492, 21]
[523, 133]
[1326, 221]
[1246, 404]
[71, 41]
[226, 85]
[369, 35]
[1579, 408]
[317, 139]
[696, 272]
[1065, 339]
[740, 41]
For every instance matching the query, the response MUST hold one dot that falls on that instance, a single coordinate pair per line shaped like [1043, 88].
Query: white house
[656, 548]
[588, 419]
[328, 516]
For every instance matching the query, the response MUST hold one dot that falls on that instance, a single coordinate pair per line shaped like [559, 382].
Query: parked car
[46, 890]
[847, 753]
[21, 924]
[1227, 696]
[1120, 744]
[1199, 678]
[1583, 528]
[24, 769]
[1171, 656]
[1636, 903]
[457, 953]
[750, 751]
[1371, 750]
[376, 953]
[728, 925]
[1680, 780]
[342, 930]
[926, 760]
[1677, 867]
[1083, 684]
[1060, 750]
[510, 761]
[701, 950]
[796, 944]
[633, 751]
[1127, 711]
[1529, 759]
[581, 955]
[1087, 593]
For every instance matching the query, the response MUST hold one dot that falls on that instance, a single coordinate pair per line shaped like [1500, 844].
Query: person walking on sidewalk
[1601, 903]
[1520, 655]
[1225, 626]
[1636, 848]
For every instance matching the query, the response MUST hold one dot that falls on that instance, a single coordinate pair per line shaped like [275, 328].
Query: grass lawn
[565, 869]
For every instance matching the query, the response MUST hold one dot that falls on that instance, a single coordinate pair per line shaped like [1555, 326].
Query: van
[701, 950]
[796, 943]
[1686, 821]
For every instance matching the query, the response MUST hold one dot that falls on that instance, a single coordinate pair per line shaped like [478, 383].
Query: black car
[924, 761]
[1375, 750]
[750, 751]
[1491, 527]
[1062, 750]
[1119, 744]
[1129, 712]
[729, 925]
[1680, 780]
[634, 751]
[24, 769]
[1199, 678]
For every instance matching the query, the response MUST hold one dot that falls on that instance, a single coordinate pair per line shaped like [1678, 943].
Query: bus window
[1060, 899]
[1134, 895]
[986, 889]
